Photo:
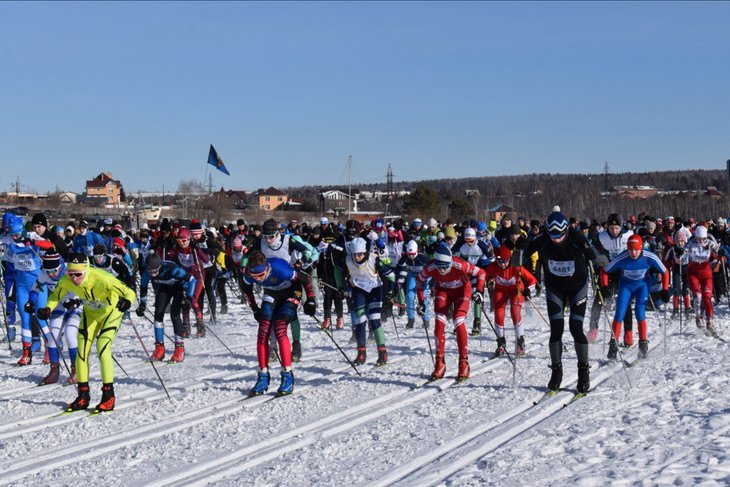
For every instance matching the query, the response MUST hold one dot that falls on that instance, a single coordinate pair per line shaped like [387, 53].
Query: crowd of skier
[70, 287]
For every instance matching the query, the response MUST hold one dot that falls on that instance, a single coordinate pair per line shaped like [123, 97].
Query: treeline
[533, 195]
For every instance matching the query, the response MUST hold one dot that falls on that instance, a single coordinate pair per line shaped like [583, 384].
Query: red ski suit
[507, 282]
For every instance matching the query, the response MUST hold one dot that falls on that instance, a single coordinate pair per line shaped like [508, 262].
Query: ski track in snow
[388, 427]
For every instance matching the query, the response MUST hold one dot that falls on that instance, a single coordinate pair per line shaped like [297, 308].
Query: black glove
[141, 309]
[665, 295]
[43, 313]
[187, 304]
[29, 307]
[71, 304]
[124, 304]
[477, 297]
[421, 309]
[527, 293]
[310, 306]
[678, 251]
[388, 299]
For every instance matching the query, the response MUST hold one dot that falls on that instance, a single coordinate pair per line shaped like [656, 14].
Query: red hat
[119, 242]
[635, 242]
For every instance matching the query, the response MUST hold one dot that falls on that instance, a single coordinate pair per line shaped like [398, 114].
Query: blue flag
[215, 160]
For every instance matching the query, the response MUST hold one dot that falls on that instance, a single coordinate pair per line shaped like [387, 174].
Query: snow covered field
[387, 427]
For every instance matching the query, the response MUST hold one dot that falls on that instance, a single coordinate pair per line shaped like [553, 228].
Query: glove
[665, 295]
[388, 298]
[527, 293]
[29, 307]
[43, 313]
[310, 306]
[421, 308]
[477, 297]
[124, 304]
[186, 304]
[71, 304]
[141, 309]
[678, 251]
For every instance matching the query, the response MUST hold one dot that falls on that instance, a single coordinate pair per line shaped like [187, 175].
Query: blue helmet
[556, 224]
[442, 256]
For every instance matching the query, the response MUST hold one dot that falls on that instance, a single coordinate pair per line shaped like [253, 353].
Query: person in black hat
[40, 227]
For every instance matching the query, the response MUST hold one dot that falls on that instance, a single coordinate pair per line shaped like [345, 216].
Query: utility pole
[605, 176]
[389, 179]
[349, 186]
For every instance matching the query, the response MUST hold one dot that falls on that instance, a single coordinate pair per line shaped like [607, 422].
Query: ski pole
[597, 290]
[681, 297]
[149, 359]
[4, 305]
[428, 337]
[537, 310]
[336, 345]
[509, 355]
[120, 365]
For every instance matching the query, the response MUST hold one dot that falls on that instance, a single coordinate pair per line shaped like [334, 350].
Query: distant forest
[584, 196]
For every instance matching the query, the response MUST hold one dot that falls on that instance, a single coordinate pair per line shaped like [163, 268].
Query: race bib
[501, 281]
[634, 274]
[94, 305]
[186, 260]
[561, 268]
[365, 284]
[24, 262]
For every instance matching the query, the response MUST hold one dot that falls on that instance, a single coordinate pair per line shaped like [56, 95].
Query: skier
[64, 319]
[677, 261]
[702, 250]
[564, 254]
[191, 258]
[609, 243]
[512, 284]
[371, 284]
[452, 287]
[479, 253]
[174, 286]
[283, 288]
[409, 266]
[105, 301]
[85, 240]
[112, 264]
[633, 267]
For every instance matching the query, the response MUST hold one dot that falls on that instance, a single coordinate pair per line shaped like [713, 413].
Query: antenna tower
[389, 179]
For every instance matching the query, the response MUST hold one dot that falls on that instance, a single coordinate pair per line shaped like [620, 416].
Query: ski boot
[52, 376]
[476, 327]
[224, 308]
[612, 350]
[107, 399]
[711, 327]
[287, 383]
[262, 384]
[556, 377]
[200, 329]
[159, 352]
[411, 323]
[628, 338]
[326, 323]
[72, 378]
[361, 356]
[520, 348]
[592, 334]
[584, 380]
[179, 354]
[340, 323]
[501, 347]
[382, 356]
[82, 400]
[464, 369]
[296, 351]
[439, 368]
[643, 348]
[27, 357]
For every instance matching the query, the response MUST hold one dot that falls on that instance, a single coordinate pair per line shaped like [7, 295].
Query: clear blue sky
[286, 91]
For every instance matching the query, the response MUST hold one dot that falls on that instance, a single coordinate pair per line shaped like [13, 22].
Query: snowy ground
[388, 427]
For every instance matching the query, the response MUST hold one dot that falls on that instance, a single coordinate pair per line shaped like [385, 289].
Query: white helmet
[470, 234]
[432, 222]
[412, 248]
[358, 246]
[700, 232]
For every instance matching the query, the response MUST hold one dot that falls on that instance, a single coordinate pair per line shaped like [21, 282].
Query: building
[270, 198]
[634, 192]
[104, 189]
[498, 212]
[238, 198]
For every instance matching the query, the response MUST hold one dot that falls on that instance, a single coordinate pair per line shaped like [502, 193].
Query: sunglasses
[269, 237]
[75, 274]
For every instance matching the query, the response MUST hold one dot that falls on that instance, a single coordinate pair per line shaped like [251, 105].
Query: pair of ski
[576, 395]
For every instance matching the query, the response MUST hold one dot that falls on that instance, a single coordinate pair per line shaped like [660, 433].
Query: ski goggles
[75, 275]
